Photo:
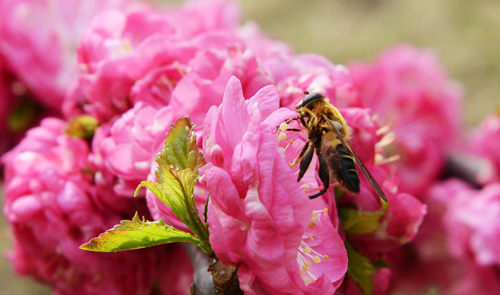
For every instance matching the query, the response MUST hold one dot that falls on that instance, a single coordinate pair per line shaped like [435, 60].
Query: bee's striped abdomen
[351, 181]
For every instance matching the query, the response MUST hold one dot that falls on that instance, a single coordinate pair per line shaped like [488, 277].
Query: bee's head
[310, 97]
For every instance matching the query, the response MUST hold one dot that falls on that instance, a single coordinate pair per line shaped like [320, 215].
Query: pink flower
[125, 149]
[38, 39]
[259, 217]
[314, 73]
[147, 56]
[455, 248]
[472, 222]
[484, 140]
[410, 91]
[53, 207]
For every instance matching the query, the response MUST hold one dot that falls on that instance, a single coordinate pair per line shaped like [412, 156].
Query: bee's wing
[362, 166]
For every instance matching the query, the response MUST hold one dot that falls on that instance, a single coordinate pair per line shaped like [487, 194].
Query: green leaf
[137, 234]
[82, 126]
[24, 115]
[357, 222]
[360, 269]
[177, 174]
[180, 149]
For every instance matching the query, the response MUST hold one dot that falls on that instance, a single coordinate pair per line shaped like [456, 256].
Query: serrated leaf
[357, 222]
[137, 234]
[175, 189]
[360, 269]
[177, 174]
[180, 149]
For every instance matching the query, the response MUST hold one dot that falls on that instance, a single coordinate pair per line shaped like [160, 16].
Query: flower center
[307, 256]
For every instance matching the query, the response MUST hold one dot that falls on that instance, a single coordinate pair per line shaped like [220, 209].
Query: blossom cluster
[134, 68]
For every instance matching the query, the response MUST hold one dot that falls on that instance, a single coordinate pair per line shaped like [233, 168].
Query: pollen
[283, 126]
[307, 250]
[310, 237]
[326, 257]
[312, 224]
[375, 117]
[307, 280]
[316, 259]
[304, 186]
[282, 136]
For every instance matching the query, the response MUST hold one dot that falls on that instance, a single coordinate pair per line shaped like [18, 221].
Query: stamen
[386, 140]
[383, 130]
[316, 259]
[380, 160]
[282, 136]
[178, 66]
[304, 186]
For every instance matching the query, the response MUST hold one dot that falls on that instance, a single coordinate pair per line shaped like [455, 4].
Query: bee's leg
[306, 159]
[302, 152]
[324, 175]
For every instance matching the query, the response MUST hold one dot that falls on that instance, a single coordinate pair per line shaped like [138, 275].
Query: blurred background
[463, 33]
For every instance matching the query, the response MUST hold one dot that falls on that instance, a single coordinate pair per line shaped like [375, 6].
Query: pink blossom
[259, 218]
[53, 206]
[455, 247]
[484, 140]
[410, 91]
[472, 224]
[123, 150]
[163, 63]
[38, 39]
[311, 72]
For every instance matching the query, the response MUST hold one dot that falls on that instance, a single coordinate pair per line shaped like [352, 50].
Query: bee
[327, 131]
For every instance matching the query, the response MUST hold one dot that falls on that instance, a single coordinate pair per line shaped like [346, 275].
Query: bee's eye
[299, 105]
[312, 97]
[337, 125]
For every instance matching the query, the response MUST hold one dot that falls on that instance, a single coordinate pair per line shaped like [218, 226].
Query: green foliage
[360, 269]
[180, 149]
[177, 174]
[357, 222]
[137, 234]
[83, 126]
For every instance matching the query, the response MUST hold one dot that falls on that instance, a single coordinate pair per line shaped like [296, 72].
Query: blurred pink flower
[455, 249]
[484, 143]
[472, 223]
[38, 39]
[259, 217]
[409, 90]
[53, 206]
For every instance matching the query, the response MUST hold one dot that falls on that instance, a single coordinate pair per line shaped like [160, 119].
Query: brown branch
[210, 276]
